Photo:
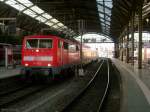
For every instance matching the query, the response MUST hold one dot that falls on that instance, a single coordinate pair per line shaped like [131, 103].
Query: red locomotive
[50, 55]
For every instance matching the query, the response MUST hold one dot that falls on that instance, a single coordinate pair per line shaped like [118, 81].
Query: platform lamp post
[81, 28]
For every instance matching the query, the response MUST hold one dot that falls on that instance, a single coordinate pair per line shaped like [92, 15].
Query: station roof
[108, 17]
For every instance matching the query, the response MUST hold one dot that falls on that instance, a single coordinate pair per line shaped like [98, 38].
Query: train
[51, 56]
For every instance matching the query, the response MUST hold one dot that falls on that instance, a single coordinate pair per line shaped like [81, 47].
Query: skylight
[30, 13]
[46, 16]
[55, 26]
[104, 8]
[60, 24]
[30, 9]
[54, 20]
[41, 19]
[27, 3]
[15, 5]
[49, 23]
[37, 9]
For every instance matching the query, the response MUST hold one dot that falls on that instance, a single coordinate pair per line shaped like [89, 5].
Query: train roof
[51, 36]
[41, 36]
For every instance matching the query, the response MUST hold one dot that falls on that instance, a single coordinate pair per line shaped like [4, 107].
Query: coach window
[77, 48]
[59, 44]
[65, 45]
[72, 48]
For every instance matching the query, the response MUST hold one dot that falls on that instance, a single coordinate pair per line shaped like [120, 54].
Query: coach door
[65, 53]
[61, 52]
[60, 46]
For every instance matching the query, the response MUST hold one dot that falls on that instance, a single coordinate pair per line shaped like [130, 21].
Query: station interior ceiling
[115, 16]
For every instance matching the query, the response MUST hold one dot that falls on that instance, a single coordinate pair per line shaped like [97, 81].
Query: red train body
[50, 55]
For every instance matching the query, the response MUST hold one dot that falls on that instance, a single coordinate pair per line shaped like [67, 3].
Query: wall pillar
[132, 38]
[127, 44]
[140, 37]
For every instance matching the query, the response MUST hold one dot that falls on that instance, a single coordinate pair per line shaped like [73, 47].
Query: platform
[9, 72]
[136, 87]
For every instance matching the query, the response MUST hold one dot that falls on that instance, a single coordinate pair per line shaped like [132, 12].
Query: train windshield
[39, 43]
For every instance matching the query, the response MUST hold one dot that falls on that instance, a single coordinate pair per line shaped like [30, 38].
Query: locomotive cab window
[39, 43]
[32, 43]
[45, 43]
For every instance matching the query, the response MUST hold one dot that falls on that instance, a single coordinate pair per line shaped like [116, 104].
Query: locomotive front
[38, 54]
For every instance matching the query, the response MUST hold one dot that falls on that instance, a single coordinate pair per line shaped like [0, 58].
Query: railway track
[92, 96]
[15, 97]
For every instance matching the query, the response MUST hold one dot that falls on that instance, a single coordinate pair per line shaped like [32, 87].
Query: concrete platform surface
[9, 72]
[136, 87]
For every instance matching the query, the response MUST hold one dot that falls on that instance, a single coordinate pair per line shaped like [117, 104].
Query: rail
[66, 108]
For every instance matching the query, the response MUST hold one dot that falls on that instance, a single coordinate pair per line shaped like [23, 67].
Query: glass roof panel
[107, 17]
[60, 24]
[30, 13]
[49, 23]
[107, 11]
[108, 3]
[37, 9]
[104, 8]
[55, 26]
[64, 27]
[103, 24]
[100, 8]
[107, 22]
[54, 20]
[47, 16]
[30, 9]
[41, 19]
[101, 15]
[15, 5]
[26, 2]
[102, 20]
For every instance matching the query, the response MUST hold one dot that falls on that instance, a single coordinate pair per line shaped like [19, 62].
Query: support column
[127, 45]
[116, 53]
[140, 37]
[121, 48]
[132, 38]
